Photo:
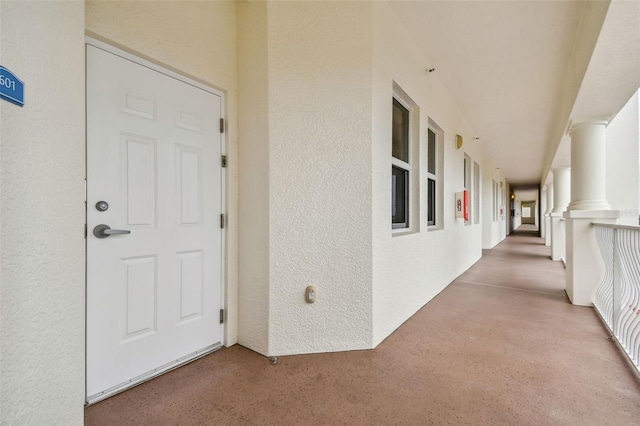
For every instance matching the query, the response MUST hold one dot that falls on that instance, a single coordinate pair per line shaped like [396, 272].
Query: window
[467, 186]
[435, 176]
[405, 163]
[400, 166]
[476, 193]
[500, 209]
[494, 201]
[432, 177]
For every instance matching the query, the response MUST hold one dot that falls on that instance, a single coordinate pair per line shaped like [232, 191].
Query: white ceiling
[613, 75]
[526, 194]
[510, 67]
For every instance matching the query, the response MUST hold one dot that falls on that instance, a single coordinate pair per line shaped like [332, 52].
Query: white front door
[154, 169]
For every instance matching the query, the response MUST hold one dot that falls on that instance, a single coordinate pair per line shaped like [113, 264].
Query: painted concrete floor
[501, 345]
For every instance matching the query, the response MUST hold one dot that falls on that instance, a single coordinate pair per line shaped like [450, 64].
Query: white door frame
[223, 150]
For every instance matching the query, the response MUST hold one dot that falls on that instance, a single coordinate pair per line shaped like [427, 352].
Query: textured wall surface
[197, 39]
[409, 270]
[623, 165]
[319, 59]
[42, 190]
[493, 232]
[253, 131]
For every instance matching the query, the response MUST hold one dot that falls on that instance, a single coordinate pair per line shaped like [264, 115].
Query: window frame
[404, 166]
[438, 201]
[412, 166]
[495, 201]
[476, 195]
[432, 194]
[467, 178]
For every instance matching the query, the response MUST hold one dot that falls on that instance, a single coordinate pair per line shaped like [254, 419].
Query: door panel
[153, 154]
[140, 175]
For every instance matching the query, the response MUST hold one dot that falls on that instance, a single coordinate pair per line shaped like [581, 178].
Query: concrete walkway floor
[501, 345]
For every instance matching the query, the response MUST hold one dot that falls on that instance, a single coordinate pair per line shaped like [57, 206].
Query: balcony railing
[618, 295]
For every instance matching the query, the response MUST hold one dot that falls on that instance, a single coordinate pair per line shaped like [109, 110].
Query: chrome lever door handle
[103, 231]
[116, 231]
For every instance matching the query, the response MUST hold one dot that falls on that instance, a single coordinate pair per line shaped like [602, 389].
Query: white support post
[547, 216]
[588, 203]
[543, 207]
[561, 198]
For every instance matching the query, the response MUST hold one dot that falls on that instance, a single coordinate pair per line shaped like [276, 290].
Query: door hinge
[221, 316]
[222, 221]
[85, 231]
[224, 161]
[222, 125]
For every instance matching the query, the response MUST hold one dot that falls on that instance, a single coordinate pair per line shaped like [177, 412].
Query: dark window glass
[431, 152]
[399, 197]
[431, 202]
[400, 136]
[465, 173]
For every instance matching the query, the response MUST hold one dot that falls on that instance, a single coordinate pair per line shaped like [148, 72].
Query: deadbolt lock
[102, 206]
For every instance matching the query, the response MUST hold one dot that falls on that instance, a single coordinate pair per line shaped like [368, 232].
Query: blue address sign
[11, 87]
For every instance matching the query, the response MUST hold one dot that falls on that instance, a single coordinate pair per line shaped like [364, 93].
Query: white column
[543, 207]
[588, 204]
[588, 166]
[547, 215]
[561, 198]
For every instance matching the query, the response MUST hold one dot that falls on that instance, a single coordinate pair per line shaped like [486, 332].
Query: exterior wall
[42, 196]
[319, 68]
[196, 39]
[623, 174]
[253, 131]
[540, 214]
[305, 181]
[494, 232]
[411, 269]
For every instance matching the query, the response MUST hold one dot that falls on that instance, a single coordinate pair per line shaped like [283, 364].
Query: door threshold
[152, 374]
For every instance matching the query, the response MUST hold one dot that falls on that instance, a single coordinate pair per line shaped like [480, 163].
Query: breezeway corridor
[500, 345]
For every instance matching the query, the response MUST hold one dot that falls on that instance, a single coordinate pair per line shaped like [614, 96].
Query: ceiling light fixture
[429, 69]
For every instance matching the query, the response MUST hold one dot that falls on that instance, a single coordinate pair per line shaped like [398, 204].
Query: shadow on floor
[527, 229]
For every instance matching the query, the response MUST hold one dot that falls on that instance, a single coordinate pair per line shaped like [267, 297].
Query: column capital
[576, 125]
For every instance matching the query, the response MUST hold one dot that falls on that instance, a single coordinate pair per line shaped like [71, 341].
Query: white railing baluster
[618, 294]
[632, 272]
[604, 293]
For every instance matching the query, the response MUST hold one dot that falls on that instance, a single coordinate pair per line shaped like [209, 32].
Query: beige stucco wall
[494, 232]
[323, 78]
[308, 155]
[42, 216]
[197, 39]
[409, 270]
[254, 214]
[320, 56]
[305, 72]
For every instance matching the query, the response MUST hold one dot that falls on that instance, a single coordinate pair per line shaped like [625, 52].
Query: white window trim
[476, 195]
[413, 213]
[468, 186]
[439, 177]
